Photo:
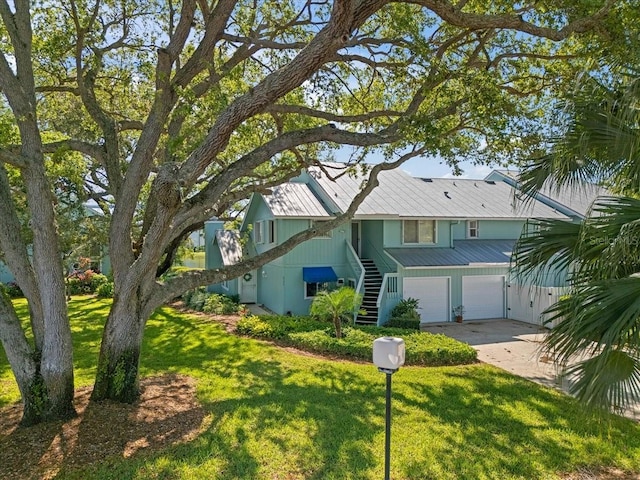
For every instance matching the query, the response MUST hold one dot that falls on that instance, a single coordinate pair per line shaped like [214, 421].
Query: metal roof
[464, 253]
[401, 195]
[295, 200]
[230, 248]
[577, 197]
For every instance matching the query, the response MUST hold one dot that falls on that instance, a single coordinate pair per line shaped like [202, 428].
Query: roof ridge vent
[428, 180]
[490, 182]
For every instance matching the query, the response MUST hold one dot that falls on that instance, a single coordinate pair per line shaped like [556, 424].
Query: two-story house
[445, 242]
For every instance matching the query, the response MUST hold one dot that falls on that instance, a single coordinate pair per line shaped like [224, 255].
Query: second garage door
[483, 296]
[432, 295]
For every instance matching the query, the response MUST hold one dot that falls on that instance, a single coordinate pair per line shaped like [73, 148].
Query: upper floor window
[418, 231]
[271, 231]
[258, 231]
[472, 229]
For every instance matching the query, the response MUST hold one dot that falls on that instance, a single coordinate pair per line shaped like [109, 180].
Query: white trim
[258, 232]
[474, 265]
[476, 228]
[304, 292]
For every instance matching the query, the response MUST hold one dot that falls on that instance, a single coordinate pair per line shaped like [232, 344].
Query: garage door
[432, 295]
[483, 296]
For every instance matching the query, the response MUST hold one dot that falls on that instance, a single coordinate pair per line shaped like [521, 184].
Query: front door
[355, 237]
[249, 287]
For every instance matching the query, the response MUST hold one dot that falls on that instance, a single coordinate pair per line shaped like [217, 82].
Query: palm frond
[610, 380]
[545, 247]
[605, 315]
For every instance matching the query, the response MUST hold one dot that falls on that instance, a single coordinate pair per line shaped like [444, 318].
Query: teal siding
[212, 257]
[372, 233]
[490, 229]
[280, 286]
[5, 274]
[271, 288]
[500, 229]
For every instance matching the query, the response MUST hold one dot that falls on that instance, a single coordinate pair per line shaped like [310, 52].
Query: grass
[272, 414]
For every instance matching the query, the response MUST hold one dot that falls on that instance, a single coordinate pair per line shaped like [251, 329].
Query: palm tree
[336, 306]
[599, 331]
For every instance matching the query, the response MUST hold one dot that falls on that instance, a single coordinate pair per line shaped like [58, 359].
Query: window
[318, 223]
[351, 282]
[225, 284]
[311, 289]
[418, 231]
[258, 234]
[472, 229]
[271, 231]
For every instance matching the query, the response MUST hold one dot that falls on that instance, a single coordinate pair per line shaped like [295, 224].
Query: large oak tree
[180, 110]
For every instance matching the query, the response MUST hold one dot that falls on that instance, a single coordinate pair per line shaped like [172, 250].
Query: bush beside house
[356, 342]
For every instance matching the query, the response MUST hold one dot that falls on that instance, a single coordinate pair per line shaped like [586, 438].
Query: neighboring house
[445, 242]
[99, 255]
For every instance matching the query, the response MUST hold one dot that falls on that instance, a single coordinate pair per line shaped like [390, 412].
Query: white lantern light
[388, 353]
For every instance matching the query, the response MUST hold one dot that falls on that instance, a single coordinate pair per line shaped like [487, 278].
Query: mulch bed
[166, 413]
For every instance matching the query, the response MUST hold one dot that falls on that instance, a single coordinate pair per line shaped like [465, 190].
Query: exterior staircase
[372, 285]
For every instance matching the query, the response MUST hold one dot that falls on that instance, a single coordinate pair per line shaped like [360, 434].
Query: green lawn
[273, 414]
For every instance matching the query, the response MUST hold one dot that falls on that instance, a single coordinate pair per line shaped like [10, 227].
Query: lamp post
[388, 356]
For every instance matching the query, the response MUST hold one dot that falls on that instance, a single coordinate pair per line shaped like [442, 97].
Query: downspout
[451, 224]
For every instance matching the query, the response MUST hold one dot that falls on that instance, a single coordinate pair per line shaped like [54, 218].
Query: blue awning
[318, 274]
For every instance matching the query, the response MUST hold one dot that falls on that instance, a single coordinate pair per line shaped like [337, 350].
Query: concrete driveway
[513, 346]
[508, 344]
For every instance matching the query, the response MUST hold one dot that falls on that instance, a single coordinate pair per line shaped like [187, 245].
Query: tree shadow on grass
[486, 423]
[270, 414]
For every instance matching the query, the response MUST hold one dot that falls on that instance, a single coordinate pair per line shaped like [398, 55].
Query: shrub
[197, 299]
[105, 290]
[406, 309]
[408, 323]
[97, 279]
[277, 326]
[357, 342]
[220, 304]
[13, 290]
[79, 283]
[74, 286]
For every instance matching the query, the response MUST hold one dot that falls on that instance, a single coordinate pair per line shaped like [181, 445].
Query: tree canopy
[170, 113]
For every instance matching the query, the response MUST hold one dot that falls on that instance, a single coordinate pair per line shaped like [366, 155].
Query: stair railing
[388, 291]
[382, 257]
[358, 269]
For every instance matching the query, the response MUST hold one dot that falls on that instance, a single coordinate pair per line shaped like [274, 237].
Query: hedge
[311, 335]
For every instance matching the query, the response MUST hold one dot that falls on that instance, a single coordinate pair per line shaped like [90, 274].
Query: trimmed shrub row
[357, 342]
[407, 323]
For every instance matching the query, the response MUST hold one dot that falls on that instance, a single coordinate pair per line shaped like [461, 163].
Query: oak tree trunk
[117, 376]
